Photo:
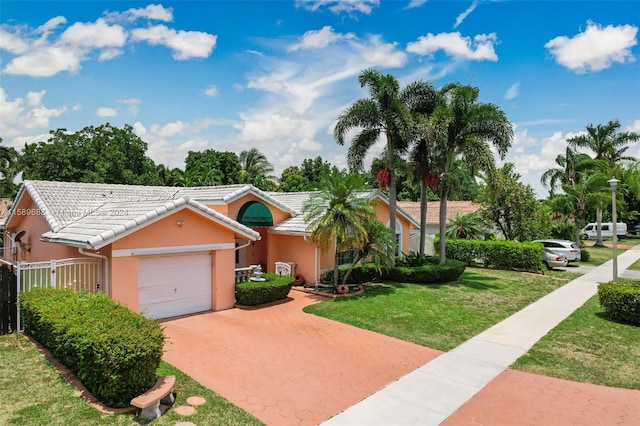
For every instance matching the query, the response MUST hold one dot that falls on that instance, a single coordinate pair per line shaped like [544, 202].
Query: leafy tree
[293, 180]
[104, 154]
[256, 170]
[383, 112]
[513, 208]
[211, 167]
[337, 216]
[464, 128]
[315, 170]
[470, 226]
[9, 168]
[609, 146]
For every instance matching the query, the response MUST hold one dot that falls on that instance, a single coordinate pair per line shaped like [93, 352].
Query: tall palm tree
[383, 112]
[567, 171]
[464, 129]
[256, 169]
[609, 147]
[337, 216]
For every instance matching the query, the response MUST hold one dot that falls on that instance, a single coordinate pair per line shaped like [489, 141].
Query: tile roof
[454, 208]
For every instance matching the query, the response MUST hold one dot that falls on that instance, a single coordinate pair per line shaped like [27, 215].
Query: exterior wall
[234, 207]
[27, 217]
[256, 252]
[195, 230]
[292, 248]
[382, 213]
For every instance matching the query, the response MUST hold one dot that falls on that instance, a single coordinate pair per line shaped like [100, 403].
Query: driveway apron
[284, 366]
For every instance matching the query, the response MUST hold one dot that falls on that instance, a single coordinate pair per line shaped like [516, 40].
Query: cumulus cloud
[132, 105]
[211, 91]
[512, 92]
[154, 12]
[24, 114]
[319, 39]
[106, 112]
[340, 6]
[455, 45]
[595, 49]
[184, 44]
[97, 35]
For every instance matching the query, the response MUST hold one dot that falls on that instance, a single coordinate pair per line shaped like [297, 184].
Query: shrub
[427, 273]
[252, 293]
[416, 259]
[362, 273]
[113, 351]
[502, 254]
[621, 300]
[584, 255]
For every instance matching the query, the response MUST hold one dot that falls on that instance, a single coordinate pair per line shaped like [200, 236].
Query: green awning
[255, 213]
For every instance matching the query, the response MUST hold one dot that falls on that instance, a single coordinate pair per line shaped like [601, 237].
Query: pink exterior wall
[196, 230]
[382, 213]
[291, 248]
[234, 207]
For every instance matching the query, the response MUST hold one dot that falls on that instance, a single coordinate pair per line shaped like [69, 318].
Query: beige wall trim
[170, 250]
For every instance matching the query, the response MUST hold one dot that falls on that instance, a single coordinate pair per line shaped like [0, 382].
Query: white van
[590, 231]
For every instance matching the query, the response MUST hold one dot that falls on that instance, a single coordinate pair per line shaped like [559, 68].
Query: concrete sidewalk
[433, 392]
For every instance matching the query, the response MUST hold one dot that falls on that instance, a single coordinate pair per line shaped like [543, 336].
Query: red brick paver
[517, 398]
[284, 366]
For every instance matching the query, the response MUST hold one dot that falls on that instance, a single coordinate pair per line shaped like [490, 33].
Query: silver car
[552, 259]
[567, 248]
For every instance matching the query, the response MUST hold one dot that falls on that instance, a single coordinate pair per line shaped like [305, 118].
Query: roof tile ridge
[42, 206]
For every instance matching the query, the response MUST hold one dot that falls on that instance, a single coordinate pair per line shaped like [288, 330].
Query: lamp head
[613, 183]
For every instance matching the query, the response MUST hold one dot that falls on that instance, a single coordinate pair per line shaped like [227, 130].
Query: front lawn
[599, 255]
[588, 347]
[32, 392]
[445, 315]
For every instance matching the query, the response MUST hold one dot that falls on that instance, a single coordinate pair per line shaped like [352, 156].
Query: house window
[347, 257]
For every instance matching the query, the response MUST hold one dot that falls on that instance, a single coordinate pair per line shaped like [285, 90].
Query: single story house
[167, 251]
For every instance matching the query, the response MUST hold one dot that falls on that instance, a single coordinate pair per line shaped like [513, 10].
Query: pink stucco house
[167, 251]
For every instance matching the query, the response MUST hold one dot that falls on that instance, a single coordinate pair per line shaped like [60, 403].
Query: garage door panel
[174, 285]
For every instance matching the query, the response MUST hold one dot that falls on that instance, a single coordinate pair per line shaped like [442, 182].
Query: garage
[174, 285]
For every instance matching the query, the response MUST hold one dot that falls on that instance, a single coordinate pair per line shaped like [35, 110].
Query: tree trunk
[392, 205]
[443, 225]
[336, 271]
[599, 242]
[424, 197]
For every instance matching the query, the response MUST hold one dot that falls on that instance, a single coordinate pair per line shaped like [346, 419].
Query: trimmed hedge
[425, 274]
[501, 254]
[621, 300]
[113, 351]
[252, 293]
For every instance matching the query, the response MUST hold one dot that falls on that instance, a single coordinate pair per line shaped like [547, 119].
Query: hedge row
[425, 274]
[113, 351]
[621, 300]
[252, 293]
[501, 254]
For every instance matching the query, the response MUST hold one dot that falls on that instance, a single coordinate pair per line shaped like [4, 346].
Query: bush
[584, 255]
[502, 254]
[416, 259]
[253, 293]
[113, 351]
[430, 273]
[621, 300]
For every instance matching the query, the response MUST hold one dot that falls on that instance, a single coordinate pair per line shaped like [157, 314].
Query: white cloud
[307, 144]
[339, 6]
[97, 35]
[466, 13]
[45, 62]
[319, 39]
[184, 44]
[211, 91]
[415, 3]
[132, 105]
[12, 43]
[77, 107]
[106, 112]
[139, 129]
[635, 127]
[20, 116]
[512, 92]
[455, 45]
[51, 24]
[595, 49]
[154, 12]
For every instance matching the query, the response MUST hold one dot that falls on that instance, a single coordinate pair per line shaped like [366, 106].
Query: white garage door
[174, 285]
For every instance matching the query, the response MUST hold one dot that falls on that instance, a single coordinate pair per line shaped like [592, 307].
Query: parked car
[566, 248]
[636, 229]
[606, 230]
[551, 259]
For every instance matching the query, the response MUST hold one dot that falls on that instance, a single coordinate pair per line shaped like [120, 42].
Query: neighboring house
[168, 251]
[5, 206]
[454, 208]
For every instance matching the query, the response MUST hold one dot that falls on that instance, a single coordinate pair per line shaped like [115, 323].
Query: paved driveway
[284, 366]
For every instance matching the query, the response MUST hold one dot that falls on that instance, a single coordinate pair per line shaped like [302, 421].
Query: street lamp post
[613, 183]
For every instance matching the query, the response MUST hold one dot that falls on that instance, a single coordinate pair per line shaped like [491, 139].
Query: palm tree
[567, 171]
[608, 145]
[470, 226]
[256, 169]
[383, 112]
[464, 128]
[378, 248]
[337, 216]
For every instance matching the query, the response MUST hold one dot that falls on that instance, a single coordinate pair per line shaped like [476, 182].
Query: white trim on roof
[263, 196]
[171, 250]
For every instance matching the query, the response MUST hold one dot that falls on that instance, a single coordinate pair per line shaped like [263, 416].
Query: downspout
[315, 263]
[107, 288]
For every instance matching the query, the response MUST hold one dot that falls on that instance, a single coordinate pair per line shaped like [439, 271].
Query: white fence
[79, 274]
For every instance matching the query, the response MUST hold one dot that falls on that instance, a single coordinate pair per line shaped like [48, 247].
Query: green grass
[442, 316]
[32, 392]
[599, 255]
[588, 347]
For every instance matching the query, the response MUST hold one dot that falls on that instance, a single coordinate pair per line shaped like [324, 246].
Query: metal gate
[8, 299]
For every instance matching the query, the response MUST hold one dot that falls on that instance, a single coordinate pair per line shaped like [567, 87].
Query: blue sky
[275, 75]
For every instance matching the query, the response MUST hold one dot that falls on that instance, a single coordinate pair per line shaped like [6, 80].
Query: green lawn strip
[442, 316]
[34, 393]
[588, 347]
[599, 255]
[635, 266]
